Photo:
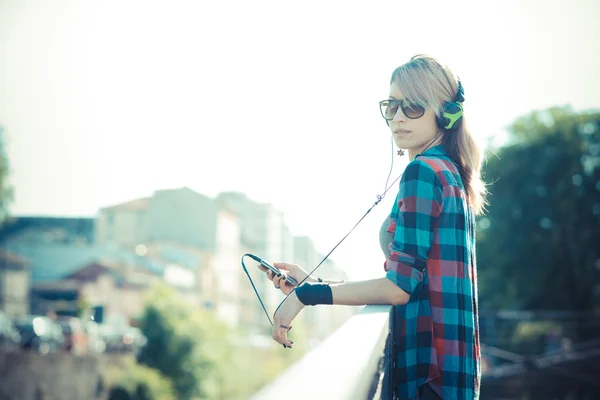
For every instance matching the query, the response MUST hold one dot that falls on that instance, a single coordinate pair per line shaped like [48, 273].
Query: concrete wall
[182, 216]
[118, 302]
[227, 267]
[60, 376]
[14, 292]
[123, 226]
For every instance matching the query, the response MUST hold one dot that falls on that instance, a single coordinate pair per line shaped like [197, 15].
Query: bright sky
[103, 102]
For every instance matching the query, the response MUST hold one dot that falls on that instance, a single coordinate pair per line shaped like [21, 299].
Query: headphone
[452, 111]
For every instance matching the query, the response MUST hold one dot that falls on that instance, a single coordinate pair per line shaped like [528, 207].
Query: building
[185, 228]
[263, 233]
[14, 284]
[56, 228]
[192, 242]
[125, 224]
[52, 257]
[66, 273]
[173, 215]
[115, 289]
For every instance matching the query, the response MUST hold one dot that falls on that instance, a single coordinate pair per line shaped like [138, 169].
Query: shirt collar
[434, 151]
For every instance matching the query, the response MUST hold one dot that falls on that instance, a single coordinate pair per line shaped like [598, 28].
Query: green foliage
[539, 245]
[6, 191]
[203, 357]
[141, 383]
[253, 366]
[184, 344]
[529, 330]
[118, 393]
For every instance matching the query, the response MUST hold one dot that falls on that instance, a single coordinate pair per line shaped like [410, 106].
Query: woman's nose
[399, 117]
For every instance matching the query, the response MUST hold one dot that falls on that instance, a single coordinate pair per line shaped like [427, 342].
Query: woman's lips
[401, 131]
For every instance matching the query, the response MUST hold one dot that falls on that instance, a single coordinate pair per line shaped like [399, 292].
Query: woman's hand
[280, 282]
[283, 319]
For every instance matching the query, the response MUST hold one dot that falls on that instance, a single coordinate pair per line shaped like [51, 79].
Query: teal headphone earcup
[451, 114]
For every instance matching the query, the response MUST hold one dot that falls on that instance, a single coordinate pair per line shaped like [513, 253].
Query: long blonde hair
[425, 81]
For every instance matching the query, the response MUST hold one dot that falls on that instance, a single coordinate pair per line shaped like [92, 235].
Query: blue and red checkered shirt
[432, 257]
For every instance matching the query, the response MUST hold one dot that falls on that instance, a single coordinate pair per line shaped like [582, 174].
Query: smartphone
[278, 272]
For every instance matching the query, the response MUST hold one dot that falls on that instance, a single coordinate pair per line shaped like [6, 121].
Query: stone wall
[26, 375]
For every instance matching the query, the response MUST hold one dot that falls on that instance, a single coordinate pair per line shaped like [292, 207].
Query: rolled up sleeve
[413, 220]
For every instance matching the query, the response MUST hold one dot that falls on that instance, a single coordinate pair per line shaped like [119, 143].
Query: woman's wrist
[316, 279]
[332, 281]
[312, 294]
[312, 279]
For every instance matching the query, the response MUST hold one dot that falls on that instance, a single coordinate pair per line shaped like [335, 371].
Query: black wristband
[311, 294]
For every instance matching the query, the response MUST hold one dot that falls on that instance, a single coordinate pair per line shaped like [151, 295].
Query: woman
[428, 241]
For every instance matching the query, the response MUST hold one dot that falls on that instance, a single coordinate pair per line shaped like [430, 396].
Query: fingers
[284, 280]
[282, 284]
[280, 335]
[279, 281]
[293, 270]
[271, 275]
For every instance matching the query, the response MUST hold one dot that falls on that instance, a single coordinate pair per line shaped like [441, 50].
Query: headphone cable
[379, 198]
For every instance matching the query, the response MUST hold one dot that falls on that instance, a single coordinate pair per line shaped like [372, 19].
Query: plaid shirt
[432, 257]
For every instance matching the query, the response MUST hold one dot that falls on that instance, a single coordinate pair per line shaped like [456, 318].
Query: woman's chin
[403, 144]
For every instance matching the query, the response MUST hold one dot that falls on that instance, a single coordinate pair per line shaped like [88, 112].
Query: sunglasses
[389, 108]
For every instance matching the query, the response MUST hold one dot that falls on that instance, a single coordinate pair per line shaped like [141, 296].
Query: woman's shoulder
[421, 170]
[436, 163]
[444, 168]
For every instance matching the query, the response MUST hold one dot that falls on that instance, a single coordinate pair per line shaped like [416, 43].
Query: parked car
[96, 343]
[134, 340]
[39, 333]
[76, 338]
[10, 339]
[122, 338]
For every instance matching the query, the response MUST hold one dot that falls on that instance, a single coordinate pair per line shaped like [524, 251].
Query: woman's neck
[412, 153]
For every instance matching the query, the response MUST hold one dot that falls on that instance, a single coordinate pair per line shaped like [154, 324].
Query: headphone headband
[460, 94]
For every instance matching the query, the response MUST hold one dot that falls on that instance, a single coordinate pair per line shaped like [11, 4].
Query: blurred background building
[14, 284]
[180, 237]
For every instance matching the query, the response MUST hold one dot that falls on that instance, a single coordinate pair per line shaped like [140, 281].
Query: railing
[353, 363]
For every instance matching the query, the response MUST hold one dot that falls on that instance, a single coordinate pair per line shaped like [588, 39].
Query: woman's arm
[330, 281]
[358, 293]
[372, 291]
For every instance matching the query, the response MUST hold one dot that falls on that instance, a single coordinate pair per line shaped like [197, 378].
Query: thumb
[282, 265]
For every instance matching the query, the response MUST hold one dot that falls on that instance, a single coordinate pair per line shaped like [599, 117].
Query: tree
[205, 358]
[539, 244]
[6, 191]
[141, 383]
[184, 344]
[118, 393]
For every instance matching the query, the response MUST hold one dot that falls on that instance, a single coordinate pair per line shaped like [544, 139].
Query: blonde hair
[425, 81]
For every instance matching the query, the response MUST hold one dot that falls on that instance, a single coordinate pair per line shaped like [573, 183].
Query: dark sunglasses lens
[413, 110]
